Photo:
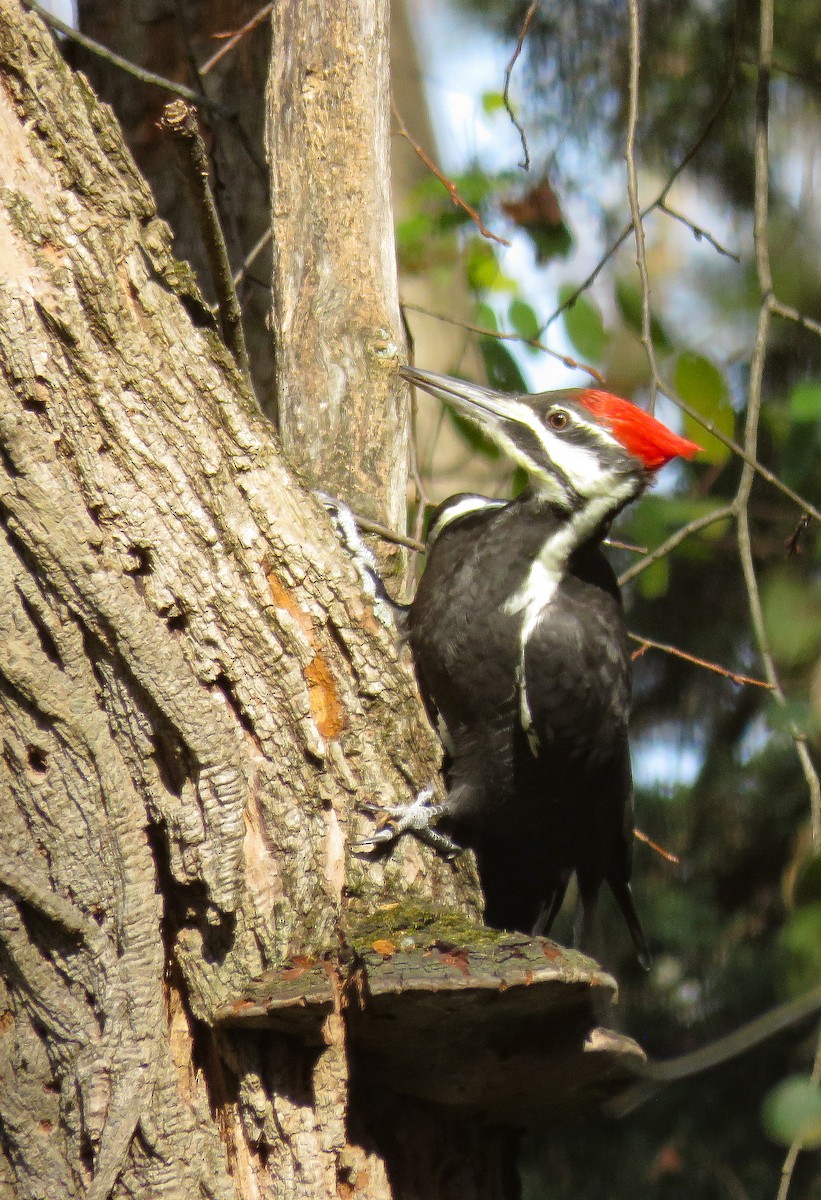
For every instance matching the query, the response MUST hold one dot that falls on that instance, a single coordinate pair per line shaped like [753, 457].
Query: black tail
[550, 907]
[624, 898]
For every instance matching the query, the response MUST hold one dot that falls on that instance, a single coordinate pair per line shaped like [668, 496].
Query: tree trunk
[195, 699]
[342, 409]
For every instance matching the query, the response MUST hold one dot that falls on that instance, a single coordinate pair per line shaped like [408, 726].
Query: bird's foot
[385, 609]
[416, 818]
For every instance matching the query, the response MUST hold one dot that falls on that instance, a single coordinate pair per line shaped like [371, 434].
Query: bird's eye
[558, 419]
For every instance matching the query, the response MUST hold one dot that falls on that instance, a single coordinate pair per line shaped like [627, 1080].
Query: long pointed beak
[468, 398]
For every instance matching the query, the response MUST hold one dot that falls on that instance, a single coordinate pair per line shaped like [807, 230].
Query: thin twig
[525, 165]
[661, 198]
[667, 855]
[742, 453]
[234, 38]
[755, 395]
[797, 1146]
[504, 337]
[124, 64]
[792, 314]
[180, 121]
[448, 184]
[675, 539]
[650, 644]
[387, 534]
[252, 256]
[633, 195]
[698, 232]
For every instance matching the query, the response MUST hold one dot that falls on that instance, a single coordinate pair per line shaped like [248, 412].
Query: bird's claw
[363, 560]
[415, 818]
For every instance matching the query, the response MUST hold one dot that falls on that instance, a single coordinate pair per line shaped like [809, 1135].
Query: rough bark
[342, 411]
[194, 700]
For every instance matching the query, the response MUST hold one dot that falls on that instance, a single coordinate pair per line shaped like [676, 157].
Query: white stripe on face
[580, 465]
[462, 508]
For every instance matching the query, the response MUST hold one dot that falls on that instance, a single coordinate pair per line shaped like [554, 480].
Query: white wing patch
[541, 584]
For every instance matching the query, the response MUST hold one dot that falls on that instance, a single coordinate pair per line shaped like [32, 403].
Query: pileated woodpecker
[519, 643]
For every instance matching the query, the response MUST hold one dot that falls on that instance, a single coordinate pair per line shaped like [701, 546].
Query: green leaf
[792, 1112]
[800, 945]
[584, 324]
[805, 401]
[492, 102]
[700, 384]
[485, 316]
[483, 270]
[655, 581]
[473, 436]
[502, 369]
[549, 243]
[629, 300]
[792, 617]
[523, 319]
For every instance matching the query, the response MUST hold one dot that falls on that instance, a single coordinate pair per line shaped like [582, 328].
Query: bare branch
[505, 337]
[252, 256]
[619, 545]
[675, 539]
[699, 233]
[792, 314]
[525, 164]
[660, 199]
[657, 1074]
[762, 257]
[649, 644]
[180, 121]
[633, 195]
[388, 535]
[797, 1146]
[667, 855]
[448, 184]
[237, 37]
[116, 60]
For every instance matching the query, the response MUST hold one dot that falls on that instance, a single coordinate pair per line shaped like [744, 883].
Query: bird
[519, 643]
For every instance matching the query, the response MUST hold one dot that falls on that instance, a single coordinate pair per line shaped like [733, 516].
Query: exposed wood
[342, 411]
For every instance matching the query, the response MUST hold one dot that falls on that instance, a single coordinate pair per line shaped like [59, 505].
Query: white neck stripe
[462, 508]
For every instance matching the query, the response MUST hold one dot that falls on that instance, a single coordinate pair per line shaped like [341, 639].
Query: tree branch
[180, 121]
[675, 539]
[237, 37]
[448, 184]
[116, 60]
[650, 644]
[504, 337]
[759, 355]
[525, 164]
[633, 195]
